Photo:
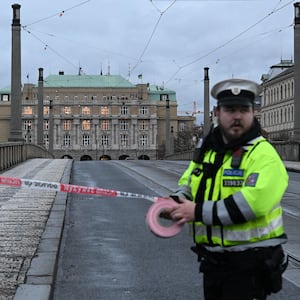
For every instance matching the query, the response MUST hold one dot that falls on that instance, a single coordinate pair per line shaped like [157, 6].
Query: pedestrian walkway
[31, 223]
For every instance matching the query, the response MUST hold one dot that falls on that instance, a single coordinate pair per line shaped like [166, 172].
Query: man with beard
[230, 195]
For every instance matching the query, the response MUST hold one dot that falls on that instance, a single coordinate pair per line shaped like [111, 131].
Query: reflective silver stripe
[253, 142]
[200, 230]
[243, 247]
[247, 235]
[241, 235]
[243, 205]
[223, 213]
[207, 212]
[184, 190]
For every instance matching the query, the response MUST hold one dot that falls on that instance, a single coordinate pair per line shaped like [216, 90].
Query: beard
[232, 133]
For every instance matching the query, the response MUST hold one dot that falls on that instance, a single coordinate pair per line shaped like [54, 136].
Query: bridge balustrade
[13, 153]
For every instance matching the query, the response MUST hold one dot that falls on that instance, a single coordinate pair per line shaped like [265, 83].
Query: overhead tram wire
[46, 46]
[58, 14]
[139, 60]
[275, 10]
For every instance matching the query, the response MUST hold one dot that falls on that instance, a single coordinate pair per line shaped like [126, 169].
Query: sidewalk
[31, 226]
[293, 166]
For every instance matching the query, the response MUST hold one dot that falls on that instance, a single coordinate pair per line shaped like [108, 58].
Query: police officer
[230, 194]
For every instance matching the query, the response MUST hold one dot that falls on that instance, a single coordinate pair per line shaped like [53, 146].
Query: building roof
[277, 69]
[86, 81]
[5, 90]
[99, 81]
[154, 92]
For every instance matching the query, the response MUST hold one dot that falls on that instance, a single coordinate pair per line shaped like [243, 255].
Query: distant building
[278, 101]
[99, 117]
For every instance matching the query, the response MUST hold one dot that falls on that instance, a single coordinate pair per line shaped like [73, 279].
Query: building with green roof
[101, 117]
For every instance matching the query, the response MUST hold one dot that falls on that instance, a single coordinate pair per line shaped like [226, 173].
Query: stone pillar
[207, 122]
[297, 71]
[40, 96]
[51, 127]
[168, 128]
[16, 92]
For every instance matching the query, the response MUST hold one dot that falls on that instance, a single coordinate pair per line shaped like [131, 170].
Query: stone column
[207, 122]
[16, 93]
[297, 71]
[40, 96]
[168, 128]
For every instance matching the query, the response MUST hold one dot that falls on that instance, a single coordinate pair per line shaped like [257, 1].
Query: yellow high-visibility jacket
[237, 207]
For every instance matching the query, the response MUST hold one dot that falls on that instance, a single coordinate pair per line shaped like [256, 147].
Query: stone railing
[289, 151]
[13, 153]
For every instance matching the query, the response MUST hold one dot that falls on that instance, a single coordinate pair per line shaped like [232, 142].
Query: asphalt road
[108, 252]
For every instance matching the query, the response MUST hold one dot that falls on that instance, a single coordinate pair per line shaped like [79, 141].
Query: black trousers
[241, 275]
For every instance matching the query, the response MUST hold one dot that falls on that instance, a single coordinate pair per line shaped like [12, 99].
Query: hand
[183, 212]
[165, 214]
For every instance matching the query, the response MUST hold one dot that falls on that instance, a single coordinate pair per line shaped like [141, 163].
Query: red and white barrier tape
[152, 217]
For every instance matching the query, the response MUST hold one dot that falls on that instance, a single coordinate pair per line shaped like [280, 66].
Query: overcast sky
[169, 42]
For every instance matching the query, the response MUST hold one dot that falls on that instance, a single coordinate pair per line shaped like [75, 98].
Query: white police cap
[236, 92]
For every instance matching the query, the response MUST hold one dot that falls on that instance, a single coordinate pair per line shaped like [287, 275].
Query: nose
[237, 114]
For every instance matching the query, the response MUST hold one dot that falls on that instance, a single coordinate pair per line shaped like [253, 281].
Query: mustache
[237, 123]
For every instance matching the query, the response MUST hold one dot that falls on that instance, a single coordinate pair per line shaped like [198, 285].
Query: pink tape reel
[152, 219]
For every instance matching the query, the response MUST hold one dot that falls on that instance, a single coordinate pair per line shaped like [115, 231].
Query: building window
[124, 140]
[67, 140]
[104, 140]
[143, 110]
[104, 110]
[27, 128]
[67, 125]
[46, 140]
[181, 126]
[143, 125]
[123, 125]
[46, 125]
[85, 140]
[143, 140]
[67, 110]
[27, 110]
[5, 97]
[164, 97]
[85, 110]
[46, 110]
[104, 124]
[86, 125]
[124, 110]
[27, 125]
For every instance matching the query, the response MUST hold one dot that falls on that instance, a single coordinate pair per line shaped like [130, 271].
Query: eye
[245, 109]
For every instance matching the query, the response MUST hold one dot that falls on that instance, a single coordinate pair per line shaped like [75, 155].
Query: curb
[40, 276]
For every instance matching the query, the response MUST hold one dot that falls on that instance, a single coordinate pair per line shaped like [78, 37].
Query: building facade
[98, 117]
[278, 102]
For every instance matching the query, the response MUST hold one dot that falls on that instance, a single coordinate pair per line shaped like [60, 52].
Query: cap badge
[236, 91]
